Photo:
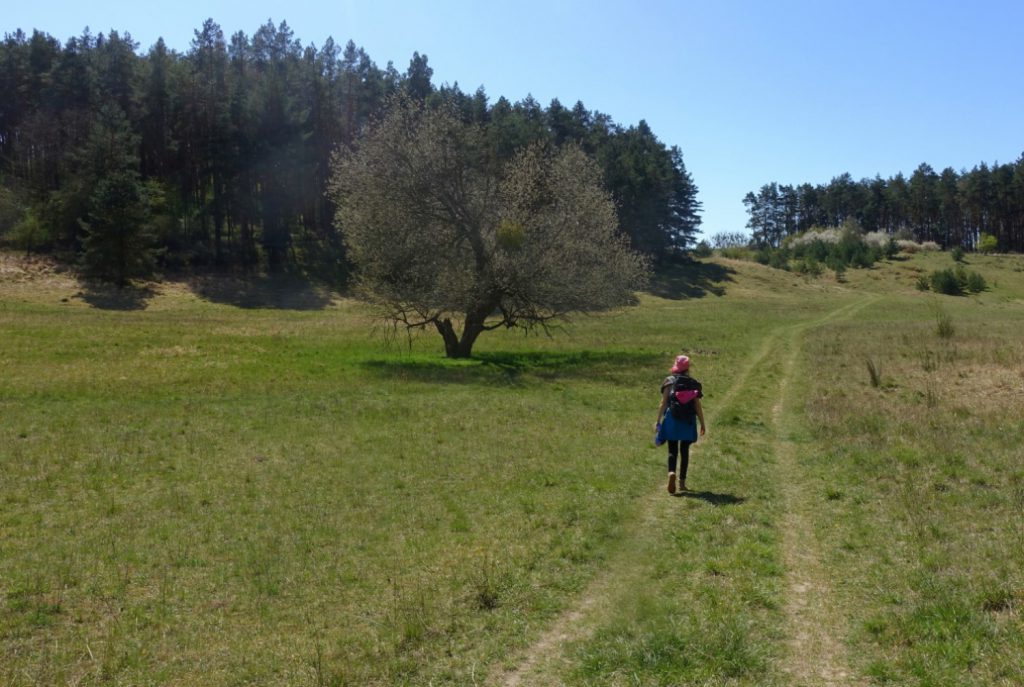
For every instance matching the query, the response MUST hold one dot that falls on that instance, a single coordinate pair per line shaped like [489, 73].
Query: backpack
[685, 390]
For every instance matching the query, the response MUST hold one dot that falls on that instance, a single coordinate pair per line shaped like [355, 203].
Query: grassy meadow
[219, 483]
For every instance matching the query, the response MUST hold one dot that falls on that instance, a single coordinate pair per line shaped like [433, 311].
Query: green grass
[196, 493]
[928, 532]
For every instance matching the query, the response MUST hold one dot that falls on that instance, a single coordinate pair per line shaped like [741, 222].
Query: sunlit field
[237, 483]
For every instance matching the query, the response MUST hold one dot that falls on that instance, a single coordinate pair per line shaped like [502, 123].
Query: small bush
[30, 234]
[908, 246]
[702, 249]
[987, 244]
[946, 282]
[877, 238]
[736, 253]
[774, 257]
[839, 248]
[961, 276]
[11, 211]
[809, 266]
[976, 283]
[815, 235]
[922, 283]
[957, 254]
[944, 325]
[891, 248]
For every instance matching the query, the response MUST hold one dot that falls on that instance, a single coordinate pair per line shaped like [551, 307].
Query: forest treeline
[950, 208]
[220, 156]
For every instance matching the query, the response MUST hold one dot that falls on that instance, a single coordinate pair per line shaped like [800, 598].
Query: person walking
[678, 414]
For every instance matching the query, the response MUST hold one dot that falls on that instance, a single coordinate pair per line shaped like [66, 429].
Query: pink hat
[682, 364]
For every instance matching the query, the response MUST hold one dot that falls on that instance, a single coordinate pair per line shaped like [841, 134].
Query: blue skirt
[673, 429]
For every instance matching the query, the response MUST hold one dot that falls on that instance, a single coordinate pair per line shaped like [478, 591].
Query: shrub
[31, 234]
[961, 276]
[702, 249]
[945, 281]
[837, 248]
[883, 243]
[957, 254]
[877, 238]
[891, 248]
[922, 283]
[976, 283]
[11, 210]
[944, 325]
[815, 235]
[773, 257]
[987, 244]
[908, 246]
[816, 248]
[809, 266]
[736, 253]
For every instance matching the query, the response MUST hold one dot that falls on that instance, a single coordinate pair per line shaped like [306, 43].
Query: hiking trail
[815, 655]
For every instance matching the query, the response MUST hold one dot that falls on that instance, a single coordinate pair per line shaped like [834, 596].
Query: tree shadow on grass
[286, 292]
[565, 363]
[510, 367]
[691, 280]
[110, 297]
[713, 498]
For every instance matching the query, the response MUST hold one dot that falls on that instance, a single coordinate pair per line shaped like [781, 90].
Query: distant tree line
[220, 156]
[950, 208]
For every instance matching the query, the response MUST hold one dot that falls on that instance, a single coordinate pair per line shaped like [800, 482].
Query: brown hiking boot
[671, 482]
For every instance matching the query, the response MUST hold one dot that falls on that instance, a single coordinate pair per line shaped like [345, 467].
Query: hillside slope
[186, 460]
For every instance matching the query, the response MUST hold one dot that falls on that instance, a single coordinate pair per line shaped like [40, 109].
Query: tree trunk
[456, 346]
[469, 334]
[451, 341]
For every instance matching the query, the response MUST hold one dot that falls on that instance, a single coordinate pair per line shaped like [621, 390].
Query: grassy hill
[216, 483]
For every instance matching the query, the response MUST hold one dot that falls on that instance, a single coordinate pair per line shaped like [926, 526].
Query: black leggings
[682, 449]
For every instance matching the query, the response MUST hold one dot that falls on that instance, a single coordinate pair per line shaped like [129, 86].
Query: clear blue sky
[752, 92]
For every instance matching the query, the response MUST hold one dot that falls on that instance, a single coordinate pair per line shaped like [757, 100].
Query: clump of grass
[944, 325]
[486, 591]
[407, 622]
[875, 373]
[998, 600]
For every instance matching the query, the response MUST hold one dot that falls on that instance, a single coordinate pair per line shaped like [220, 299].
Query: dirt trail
[537, 660]
[818, 654]
[816, 650]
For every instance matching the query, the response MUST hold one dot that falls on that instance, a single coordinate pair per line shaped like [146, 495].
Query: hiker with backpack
[677, 420]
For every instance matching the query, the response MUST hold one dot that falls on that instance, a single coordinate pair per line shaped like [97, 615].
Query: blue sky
[752, 92]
